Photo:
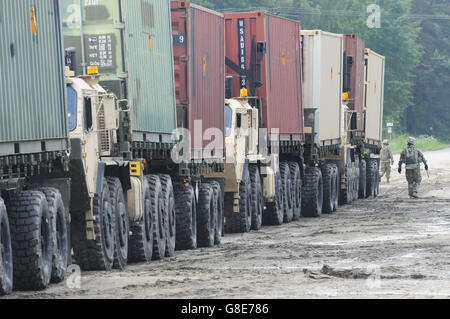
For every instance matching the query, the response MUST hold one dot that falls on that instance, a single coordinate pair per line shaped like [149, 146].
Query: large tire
[241, 222]
[288, 193]
[59, 231]
[274, 214]
[169, 208]
[372, 177]
[312, 193]
[140, 245]
[95, 254]
[206, 216]
[337, 186]
[257, 198]
[32, 241]
[296, 189]
[355, 177]
[348, 193]
[220, 212]
[362, 179]
[328, 188]
[122, 228]
[159, 218]
[6, 257]
[186, 210]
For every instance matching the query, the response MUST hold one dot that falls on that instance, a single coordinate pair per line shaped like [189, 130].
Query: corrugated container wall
[323, 56]
[33, 116]
[199, 56]
[374, 97]
[131, 43]
[354, 80]
[258, 38]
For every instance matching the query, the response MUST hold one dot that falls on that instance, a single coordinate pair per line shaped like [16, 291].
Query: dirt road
[390, 246]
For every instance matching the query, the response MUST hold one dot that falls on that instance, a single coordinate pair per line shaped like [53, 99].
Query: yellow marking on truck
[150, 41]
[33, 22]
[283, 58]
[135, 169]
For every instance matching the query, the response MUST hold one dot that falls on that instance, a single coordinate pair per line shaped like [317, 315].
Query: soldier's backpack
[412, 156]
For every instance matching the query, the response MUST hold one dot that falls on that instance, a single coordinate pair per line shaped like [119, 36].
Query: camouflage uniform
[412, 158]
[387, 159]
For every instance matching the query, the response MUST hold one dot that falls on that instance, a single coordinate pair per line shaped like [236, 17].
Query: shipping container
[263, 55]
[131, 44]
[199, 57]
[354, 66]
[32, 90]
[374, 97]
[322, 84]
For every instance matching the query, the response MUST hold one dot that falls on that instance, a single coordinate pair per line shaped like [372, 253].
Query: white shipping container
[323, 55]
[374, 97]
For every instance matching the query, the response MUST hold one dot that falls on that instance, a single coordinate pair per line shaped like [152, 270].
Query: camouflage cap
[412, 141]
[386, 142]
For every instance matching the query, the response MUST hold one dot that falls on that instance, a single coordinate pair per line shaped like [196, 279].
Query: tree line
[412, 34]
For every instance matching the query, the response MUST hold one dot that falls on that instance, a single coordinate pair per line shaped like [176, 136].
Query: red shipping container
[354, 84]
[263, 54]
[199, 55]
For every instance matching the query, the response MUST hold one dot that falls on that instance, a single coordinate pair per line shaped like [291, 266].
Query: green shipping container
[33, 116]
[130, 41]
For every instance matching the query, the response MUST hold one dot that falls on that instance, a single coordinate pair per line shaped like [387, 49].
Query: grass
[423, 143]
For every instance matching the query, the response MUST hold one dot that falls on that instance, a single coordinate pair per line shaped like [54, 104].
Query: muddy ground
[390, 246]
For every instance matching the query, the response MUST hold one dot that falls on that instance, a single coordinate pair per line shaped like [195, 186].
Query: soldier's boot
[388, 180]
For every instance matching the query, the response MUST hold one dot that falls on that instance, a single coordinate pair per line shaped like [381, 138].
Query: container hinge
[119, 26]
[184, 58]
[122, 75]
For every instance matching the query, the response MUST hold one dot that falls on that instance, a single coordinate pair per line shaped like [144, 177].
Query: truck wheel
[32, 241]
[159, 217]
[257, 198]
[59, 231]
[140, 245]
[312, 193]
[336, 188]
[274, 214]
[6, 258]
[241, 222]
[328, 188]
[362, 179]
[186, 213]
[206, 216]
[288, 193]
[122, 228]
[372, 173]
[296, 189]
[169, 208]
[220, 212]
[347, 194]
[95, 254]
[356, 181]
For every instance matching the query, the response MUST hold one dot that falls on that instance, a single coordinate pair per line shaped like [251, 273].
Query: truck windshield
[228, 120]
[72, 105]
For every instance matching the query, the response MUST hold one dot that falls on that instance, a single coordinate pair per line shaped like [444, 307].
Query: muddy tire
[346, 197]
[122, 228]
[140, 245]
[206, 216]
[355, 177]
[241, 222]
[289, 194]
[372, 178]
[6, 257]
[274, 214]
[312, 193]
[337, 185]
[296, 189]
[31, 240]
[328, 188]
[362, 179]
[186, 213]
[159, 227]
[60, 233]
[257, 198]
[169, 209]
[95, 254]
[218, 198]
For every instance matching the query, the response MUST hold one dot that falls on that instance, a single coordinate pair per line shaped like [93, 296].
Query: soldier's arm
[391, 155]
[422, 158]
[402, 159]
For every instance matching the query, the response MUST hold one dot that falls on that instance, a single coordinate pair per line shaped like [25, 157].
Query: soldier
[412, 158]
[387, 159]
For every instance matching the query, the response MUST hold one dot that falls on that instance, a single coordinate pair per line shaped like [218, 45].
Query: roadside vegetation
[424, 143]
